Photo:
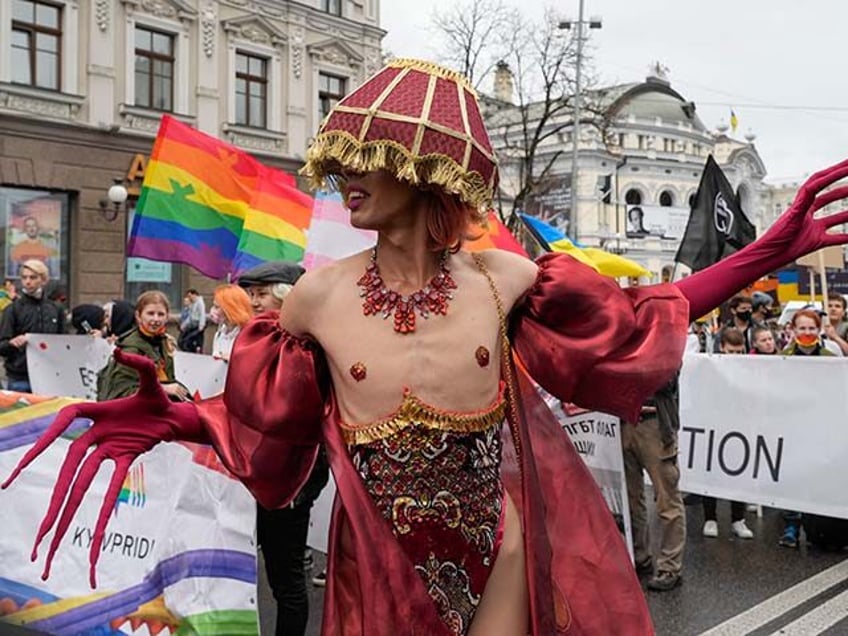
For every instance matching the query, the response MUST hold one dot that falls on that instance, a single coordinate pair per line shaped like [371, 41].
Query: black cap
[271, 273]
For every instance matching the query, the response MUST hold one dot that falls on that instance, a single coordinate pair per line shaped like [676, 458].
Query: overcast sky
[780, 64]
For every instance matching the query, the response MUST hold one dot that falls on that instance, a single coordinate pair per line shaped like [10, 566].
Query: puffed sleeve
[266, 426]
[589, 342]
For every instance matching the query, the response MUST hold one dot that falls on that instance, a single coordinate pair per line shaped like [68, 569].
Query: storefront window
[35, 225]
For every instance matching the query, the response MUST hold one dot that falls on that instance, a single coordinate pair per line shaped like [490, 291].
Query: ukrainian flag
[600, 260]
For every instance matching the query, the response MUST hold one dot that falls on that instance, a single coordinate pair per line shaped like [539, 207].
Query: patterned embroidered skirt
[435, 477]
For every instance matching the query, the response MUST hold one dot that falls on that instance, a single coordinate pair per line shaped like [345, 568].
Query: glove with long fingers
[796, 233]
[121, 430]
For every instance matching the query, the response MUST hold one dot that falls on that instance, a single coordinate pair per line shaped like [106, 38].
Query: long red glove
[122, 430]
[796, 233]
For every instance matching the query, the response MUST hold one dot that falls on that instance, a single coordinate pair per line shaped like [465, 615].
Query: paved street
[731, 587]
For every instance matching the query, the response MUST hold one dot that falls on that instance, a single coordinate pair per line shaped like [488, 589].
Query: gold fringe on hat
[337, 150]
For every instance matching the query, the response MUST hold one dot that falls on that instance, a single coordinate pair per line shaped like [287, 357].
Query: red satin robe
[580, 337]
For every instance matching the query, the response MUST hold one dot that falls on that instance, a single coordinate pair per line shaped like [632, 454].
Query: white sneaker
[711, 529]
[741, 530]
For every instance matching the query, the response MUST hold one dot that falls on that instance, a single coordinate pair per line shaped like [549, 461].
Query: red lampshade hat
[419, 121]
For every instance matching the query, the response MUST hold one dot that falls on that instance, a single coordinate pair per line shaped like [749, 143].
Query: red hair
[448, 220]
[807, 313]
[235, 303]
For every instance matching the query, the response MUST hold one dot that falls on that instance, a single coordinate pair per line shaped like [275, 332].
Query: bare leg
[505, 607]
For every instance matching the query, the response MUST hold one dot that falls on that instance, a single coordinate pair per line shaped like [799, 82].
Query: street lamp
[592, 23]
[116, 196]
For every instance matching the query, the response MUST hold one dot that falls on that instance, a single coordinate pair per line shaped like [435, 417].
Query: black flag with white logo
[717, 225]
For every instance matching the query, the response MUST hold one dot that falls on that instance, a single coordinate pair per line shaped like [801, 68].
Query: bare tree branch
[476, 36]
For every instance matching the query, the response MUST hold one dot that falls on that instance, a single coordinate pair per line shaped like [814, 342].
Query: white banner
[68, 366]
[766, 430]
[178, 552]
[597, 438]
[204, 376]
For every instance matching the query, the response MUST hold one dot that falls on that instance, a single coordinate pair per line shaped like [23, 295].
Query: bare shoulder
[513, 274]
[308, 300]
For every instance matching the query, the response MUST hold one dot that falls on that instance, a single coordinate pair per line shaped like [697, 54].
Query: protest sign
[178, 552]
[66, 365]
[597, 438]
[766, 430]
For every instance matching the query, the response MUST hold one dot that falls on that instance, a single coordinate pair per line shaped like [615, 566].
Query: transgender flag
[331, 236]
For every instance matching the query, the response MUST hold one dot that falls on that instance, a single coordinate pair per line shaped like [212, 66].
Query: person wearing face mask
[230, 311]
[741, 309]
[147, 339]
[31, 312]
[806, 329]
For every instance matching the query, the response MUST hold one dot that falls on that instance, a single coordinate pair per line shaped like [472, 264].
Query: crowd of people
[651, 445]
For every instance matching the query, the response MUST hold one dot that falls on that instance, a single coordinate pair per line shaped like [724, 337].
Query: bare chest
[451, 362]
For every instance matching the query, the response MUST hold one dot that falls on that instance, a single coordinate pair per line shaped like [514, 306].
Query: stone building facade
[83, 84]
[647, 153]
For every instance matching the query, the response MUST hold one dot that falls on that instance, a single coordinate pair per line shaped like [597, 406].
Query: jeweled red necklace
[431, 299]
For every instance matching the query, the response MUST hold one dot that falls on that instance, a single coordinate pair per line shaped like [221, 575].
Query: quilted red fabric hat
[419, 121]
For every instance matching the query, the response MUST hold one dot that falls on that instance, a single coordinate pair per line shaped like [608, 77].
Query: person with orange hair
[806, 327]
[462, 508]
[230, 311]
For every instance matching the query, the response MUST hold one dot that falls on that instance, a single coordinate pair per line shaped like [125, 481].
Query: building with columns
[83, 84]
[641, 151]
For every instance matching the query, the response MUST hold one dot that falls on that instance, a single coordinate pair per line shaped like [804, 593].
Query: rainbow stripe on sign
[214, 207]
[133, 492]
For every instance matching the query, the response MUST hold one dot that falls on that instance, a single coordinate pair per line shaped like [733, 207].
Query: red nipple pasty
[358, 371]
[482, 355]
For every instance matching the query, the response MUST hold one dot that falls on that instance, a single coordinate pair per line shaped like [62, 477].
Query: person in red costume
[462, 508]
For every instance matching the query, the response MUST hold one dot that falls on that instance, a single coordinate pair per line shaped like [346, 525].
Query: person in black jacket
[32, 312]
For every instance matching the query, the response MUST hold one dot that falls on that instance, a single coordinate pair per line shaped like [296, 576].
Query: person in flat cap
[399, 361]
[269, 283]
[282, 532]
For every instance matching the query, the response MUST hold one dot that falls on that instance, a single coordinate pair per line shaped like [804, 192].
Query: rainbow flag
[495, 235]
[214, 207]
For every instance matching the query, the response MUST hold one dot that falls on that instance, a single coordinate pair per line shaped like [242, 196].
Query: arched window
[633, 197]
[691, 200]
[667, 273]
[666, 199]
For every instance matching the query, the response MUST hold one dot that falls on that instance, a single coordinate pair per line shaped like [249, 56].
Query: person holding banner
[31, 312]
[731, 341]
[762, 341]
[401, 361]
[806, 330]
[150, 341]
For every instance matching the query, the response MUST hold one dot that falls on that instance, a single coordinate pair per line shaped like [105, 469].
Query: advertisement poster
[656, 221]
[34, 231]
